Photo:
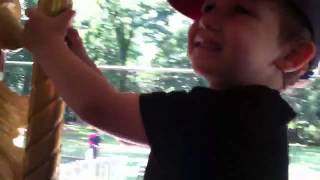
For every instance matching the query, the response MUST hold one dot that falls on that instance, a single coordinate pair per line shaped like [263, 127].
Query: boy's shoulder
[252, 101]
[245, 102]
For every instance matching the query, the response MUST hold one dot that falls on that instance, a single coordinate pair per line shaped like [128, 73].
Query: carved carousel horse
[43, 119]
[13, 115]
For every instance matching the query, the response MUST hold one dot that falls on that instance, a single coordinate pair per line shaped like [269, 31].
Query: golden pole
[45, 116]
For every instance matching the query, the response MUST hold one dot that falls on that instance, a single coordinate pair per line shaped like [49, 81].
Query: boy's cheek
[191, 35]
[241, 31]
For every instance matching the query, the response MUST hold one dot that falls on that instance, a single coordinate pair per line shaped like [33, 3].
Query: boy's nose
[211, 23]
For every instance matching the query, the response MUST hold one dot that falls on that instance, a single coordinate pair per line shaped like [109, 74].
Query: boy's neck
[222, 86]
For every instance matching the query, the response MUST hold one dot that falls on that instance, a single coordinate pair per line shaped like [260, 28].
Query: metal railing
[122, 68]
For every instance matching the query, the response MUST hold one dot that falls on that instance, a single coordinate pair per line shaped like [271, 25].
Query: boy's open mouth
[208, 44]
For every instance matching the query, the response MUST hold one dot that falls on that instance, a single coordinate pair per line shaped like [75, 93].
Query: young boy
[235, 129]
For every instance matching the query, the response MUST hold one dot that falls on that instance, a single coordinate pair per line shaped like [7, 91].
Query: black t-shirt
[237, 134]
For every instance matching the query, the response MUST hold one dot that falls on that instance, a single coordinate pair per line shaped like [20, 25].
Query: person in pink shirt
[94, 140]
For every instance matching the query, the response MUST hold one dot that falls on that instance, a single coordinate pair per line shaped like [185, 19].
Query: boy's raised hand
[42, 31]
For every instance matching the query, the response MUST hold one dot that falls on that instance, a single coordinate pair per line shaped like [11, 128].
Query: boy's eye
[242, 10]
[208, 8]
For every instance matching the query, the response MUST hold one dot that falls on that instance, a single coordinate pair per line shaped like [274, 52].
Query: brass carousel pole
[45, 120]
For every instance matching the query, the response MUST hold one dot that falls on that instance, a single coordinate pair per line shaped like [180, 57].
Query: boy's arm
[86, 91]
[90, 95]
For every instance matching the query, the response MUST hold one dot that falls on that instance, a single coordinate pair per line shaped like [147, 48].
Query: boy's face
[236, 42]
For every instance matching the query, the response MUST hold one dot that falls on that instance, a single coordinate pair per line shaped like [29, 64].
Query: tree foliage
[306, 102]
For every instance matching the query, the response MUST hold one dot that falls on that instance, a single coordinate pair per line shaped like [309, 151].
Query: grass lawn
[75, 140]
[307, 156]
[303, 159]
[75, 143]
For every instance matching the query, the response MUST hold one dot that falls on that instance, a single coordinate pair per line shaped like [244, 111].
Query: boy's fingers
[73, 39]
[66, 17]
[74, 42]
[73, 34]
[73, 31]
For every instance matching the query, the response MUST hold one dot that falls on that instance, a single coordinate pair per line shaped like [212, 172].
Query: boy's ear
[297, 57]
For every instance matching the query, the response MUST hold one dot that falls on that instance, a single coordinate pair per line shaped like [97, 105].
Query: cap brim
[189, 8]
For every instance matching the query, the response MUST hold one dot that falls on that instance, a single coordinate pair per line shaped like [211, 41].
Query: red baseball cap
[189, 8]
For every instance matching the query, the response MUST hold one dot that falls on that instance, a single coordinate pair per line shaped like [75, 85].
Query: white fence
[116, 168]
[110, 168]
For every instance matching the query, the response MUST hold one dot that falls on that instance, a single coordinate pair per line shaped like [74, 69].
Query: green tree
[112, 39]
[29, 3]
[173, 54]
[306, 103]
